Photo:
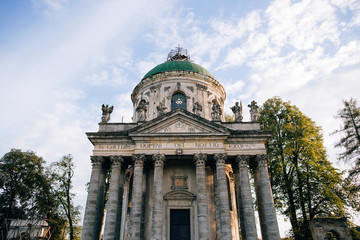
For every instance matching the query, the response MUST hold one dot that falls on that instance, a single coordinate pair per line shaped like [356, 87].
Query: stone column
[157, 210]
[267, 214]
[94, 204]
[246, 210]
[202, 205]
[136, 197]
[114, 203]
[223, 196]
[217, 203]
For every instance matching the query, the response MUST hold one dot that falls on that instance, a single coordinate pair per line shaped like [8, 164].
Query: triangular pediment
[179, 122]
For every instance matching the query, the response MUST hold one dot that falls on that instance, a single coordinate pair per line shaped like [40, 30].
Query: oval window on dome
[178, 100]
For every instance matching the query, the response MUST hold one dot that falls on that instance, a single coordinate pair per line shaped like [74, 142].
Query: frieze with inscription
[115, 147]
[180, 145]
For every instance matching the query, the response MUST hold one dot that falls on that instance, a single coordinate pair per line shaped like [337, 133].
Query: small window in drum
[178, 100]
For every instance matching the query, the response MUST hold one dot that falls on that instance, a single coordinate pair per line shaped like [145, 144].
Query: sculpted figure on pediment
[142, 110]
[197, 108]
[161, 108]
[216, 111]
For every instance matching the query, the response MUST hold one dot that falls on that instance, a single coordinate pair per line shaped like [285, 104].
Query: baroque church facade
[179, 170]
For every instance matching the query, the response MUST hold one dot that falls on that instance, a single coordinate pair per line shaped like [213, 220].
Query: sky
[60, 60]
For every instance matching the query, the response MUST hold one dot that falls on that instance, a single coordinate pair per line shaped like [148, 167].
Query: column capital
[97, 160]
[261, 160]
[242, 160]
[220, 158]
[200, 159]
[116, 161]
[159, 160]
[138, 159]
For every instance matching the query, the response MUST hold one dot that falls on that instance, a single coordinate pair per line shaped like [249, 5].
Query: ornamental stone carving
[220, 158]
[201, 87]
[138, 160]
[242, 160]
[159, 160]
[154, 88]
[200, 159]
[116, 161]
[97, 160]
[261, 160]
[197, 108]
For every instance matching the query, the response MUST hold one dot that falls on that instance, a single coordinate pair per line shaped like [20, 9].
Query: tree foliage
[350, 130]
[62, 173]
[22, 182]
[29, 190]
[305, 184]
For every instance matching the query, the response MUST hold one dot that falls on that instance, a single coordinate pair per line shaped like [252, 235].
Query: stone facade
[179, 171]
[323, 228]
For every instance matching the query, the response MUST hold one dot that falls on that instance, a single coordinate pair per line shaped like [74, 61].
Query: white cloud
[48, 7]
[123, 111]
[98, 79]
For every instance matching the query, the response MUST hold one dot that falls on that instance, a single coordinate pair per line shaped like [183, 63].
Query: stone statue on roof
[237, 110]
[254, 111]
[106, 111]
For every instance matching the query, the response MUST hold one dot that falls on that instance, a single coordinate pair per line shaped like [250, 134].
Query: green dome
[177, 66]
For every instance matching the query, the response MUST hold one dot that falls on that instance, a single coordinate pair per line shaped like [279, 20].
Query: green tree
[25, 190]
[229, 118]
[305, 184]
[350, 117]
[21, 182]
[62, 173]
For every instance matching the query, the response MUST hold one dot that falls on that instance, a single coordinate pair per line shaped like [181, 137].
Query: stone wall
[320, 227]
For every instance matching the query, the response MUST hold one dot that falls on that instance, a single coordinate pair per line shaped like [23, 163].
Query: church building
[179, 171]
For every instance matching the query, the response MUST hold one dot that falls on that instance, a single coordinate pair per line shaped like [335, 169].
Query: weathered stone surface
[246, 210]
[94, 205]
[182, 134]
[320, 227]
[202, 205]
[225, 220]
[136, 197]
[157, 213]
[267, 214]
[114, 203]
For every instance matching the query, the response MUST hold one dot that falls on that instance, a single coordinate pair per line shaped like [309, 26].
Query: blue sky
[60, 60]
